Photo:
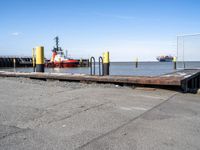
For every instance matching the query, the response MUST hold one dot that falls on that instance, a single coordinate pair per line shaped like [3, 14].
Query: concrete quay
[59, 115]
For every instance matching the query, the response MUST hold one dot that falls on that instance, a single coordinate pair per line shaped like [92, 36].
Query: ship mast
[57, 43]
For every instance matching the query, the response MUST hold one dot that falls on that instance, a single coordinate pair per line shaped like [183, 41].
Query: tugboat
[166, 58]
[59, 60]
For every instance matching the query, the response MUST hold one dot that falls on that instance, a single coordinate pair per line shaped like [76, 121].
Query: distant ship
[166, 58]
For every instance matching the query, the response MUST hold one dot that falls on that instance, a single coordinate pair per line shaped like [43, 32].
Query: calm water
[122, 68]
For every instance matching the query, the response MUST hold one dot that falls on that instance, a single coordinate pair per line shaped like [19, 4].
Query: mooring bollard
[174, 60]
[33, 59]
[136, 63]
[106, 63]
[40, 59]
[184, 65]
[81, 62]
[14, 63]
[60, 63]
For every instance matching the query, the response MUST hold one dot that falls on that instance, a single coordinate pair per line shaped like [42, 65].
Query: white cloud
[16, 33]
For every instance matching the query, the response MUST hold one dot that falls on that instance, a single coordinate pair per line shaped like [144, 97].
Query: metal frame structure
[183, 45]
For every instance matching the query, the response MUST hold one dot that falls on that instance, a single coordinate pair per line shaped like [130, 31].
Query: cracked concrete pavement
[65, 115]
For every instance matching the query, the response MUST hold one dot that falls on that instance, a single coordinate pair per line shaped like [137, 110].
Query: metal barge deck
[187, 80]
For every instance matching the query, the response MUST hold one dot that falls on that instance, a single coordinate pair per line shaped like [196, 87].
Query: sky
[128, 29]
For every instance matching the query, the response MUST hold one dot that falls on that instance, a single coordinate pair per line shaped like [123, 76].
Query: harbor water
[122, 68]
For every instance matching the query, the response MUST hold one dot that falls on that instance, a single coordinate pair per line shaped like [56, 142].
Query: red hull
[65, 64]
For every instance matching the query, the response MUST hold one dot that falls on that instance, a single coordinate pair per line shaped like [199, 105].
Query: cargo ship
[59, 59]
[166, 58]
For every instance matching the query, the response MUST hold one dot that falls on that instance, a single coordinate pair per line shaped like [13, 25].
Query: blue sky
[126, 28]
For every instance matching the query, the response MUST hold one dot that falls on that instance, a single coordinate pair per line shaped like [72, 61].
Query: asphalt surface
[52, 115]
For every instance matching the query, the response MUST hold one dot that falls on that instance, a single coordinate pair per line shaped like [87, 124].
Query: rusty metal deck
[188, 80]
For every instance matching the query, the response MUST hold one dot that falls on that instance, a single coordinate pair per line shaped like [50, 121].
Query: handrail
[101, 73]
[92, 70]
